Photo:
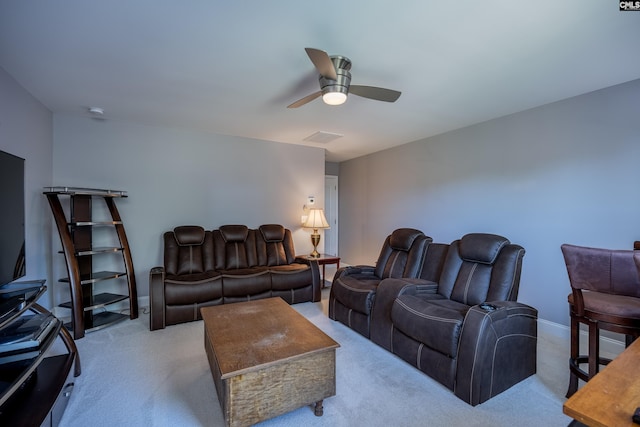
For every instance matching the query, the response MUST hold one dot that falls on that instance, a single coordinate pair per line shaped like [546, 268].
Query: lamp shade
[316, 219]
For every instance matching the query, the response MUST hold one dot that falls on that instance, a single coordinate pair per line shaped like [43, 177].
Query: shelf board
[13, 306]
[34, 403]
[98, 250]
[97, 276]
[79, 191]
[22, 369]
[102, 320]
[93, 223]
[99, 300]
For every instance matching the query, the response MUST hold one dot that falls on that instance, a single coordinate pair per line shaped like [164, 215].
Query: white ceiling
[232, 67]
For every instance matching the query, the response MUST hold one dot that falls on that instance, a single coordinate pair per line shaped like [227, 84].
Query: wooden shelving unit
[35, 391]
[89, 308]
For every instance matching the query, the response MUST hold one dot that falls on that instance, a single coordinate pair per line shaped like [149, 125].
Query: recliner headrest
[272, 232]
[234, 233]
[402, 238]
[187, 235]
[481, 247]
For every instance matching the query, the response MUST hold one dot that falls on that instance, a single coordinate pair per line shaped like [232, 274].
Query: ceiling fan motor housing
[342, 65]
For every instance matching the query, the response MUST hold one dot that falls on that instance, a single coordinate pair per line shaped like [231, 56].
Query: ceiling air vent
[323, 137]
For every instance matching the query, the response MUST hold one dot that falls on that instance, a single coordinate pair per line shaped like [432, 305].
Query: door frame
[331, 212]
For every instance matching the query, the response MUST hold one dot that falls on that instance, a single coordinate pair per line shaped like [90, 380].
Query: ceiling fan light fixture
[335, 82]
[334, 98]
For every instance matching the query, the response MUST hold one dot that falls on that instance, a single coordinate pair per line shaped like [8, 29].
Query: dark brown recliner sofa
[231, 264]
[459, 321]
[353, 290]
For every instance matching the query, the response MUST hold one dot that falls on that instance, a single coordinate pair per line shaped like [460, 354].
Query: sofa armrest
[381, 329]
[497, 349]
[156, 298]
[317, 283]
[315, 274]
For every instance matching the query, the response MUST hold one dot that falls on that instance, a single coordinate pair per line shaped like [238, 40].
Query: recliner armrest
[419, 287]
[387, 292]
[354, 269]
[156, 298]
[497, 349]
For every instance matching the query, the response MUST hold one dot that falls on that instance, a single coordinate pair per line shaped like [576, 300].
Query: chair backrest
[481, 267]
[235, 247]
[434, 258]
[275, 245]
[402, 254]
[603, 270]
[187, 250]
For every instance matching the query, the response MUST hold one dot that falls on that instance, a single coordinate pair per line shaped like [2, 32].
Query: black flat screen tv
[12, 259]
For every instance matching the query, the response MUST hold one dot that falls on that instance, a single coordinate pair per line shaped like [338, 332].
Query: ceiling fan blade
[306, 99]
[322, 62]
[377, 93]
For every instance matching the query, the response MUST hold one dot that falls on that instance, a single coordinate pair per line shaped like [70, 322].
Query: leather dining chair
[605, 295]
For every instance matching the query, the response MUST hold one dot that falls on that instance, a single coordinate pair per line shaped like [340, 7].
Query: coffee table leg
[319, 410]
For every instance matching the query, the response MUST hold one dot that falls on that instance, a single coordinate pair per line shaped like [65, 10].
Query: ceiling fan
[335, 81]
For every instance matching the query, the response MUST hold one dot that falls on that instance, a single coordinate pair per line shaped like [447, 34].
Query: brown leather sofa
[459, 321]
[231, 264]
[354, 288]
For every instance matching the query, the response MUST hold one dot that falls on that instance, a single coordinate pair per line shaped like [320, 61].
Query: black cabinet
[34, 386]
[89, 305]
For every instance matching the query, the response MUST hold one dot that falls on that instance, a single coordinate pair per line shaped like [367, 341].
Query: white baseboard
[609, 347]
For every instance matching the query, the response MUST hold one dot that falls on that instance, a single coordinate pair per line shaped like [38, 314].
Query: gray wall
[25, 131]
[564, 172]
[177, 177]
[332, 168]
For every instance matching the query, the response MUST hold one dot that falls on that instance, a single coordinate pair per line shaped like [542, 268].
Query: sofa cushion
[356, 291]
[234, 247]
[188, 250]
[402, 239]
[290, 276]
[274, 245]
[272, 232]
[481, 267]
[234, 233]
[245, 272]
[481, 247]
[244, 282]
[189, 235]
[192, 288]
[401, 254]
[434, 321]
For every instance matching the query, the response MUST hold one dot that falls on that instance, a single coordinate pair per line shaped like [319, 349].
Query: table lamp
[315, 220]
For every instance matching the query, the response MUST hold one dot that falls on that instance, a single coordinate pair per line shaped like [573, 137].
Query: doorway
[331, 211]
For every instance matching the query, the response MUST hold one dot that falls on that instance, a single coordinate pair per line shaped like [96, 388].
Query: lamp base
[315, 239]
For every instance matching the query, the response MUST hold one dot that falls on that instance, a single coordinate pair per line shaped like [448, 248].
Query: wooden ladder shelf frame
[70, 252]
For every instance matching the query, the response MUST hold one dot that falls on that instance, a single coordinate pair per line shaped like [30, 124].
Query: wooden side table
[323, 260]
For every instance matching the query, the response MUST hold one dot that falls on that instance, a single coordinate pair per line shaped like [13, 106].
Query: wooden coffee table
[266, 359]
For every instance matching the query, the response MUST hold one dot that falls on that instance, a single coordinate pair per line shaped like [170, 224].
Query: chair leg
[573, 360]
[628, 340]
[594, 349]
[573, 384]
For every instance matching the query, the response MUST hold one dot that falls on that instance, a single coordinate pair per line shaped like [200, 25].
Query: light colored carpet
[134, 377]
